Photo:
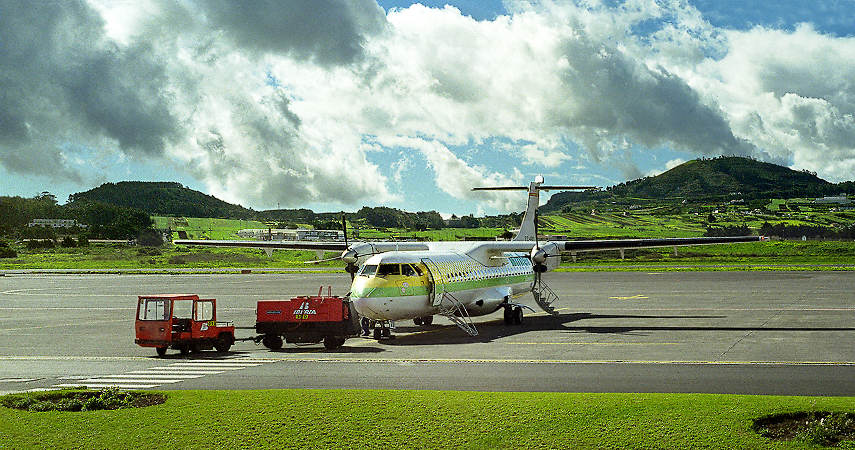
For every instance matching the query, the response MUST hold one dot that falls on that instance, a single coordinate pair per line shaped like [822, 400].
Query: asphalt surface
[716, 332]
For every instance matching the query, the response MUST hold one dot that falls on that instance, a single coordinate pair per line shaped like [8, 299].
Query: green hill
[714, 179]
[724, 176]
[162, 198]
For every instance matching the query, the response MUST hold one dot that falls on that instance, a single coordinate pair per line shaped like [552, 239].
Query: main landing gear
[513, 315]
[424, 321]
[383, 330]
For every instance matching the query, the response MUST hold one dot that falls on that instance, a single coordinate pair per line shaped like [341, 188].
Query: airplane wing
[604, 244]
[615, 244]
[292, 245]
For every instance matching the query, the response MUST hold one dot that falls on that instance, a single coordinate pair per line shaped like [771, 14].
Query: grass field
[810, 255]
[416, 419]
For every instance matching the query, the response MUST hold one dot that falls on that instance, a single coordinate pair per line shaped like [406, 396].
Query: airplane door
[436, 285]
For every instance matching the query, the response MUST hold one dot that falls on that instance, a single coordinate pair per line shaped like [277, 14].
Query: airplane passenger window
[419, 270]
[388, 269]
[407, 270]
[368, 270]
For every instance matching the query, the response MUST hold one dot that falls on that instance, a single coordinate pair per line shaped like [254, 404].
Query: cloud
[790, 93]
[63, 80]
[283, 102]
[328, 32]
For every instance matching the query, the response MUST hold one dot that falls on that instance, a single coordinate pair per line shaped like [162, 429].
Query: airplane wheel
[427, 320]
[161, 351]
[518, 316]
[185, 349]
[417, 321]
[509, 316]
[378, 333]
[387, 332]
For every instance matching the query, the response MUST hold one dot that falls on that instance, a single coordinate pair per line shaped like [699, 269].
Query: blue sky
[410, 105]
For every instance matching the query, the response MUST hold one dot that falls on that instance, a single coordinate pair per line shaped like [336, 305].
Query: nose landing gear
[383, 329]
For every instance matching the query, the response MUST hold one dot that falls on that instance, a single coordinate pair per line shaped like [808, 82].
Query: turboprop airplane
[459, 280]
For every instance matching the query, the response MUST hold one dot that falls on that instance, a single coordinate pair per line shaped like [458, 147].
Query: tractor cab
[183, 322]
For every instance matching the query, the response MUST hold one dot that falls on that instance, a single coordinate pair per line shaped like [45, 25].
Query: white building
[56, 223]
[276, 234]
[838, 200]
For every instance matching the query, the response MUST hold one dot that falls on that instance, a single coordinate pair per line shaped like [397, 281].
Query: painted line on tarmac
[63, 325]
[569, 361]
[596, 343]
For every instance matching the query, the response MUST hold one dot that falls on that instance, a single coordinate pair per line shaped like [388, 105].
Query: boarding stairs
[451, 308]
[544, 296]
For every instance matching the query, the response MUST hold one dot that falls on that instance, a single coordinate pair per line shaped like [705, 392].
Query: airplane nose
[368, 307]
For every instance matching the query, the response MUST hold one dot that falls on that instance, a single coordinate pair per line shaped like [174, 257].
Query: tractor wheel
[427, 320]
[272, 341]
[223, 343]
[161, 351]
[332, 342]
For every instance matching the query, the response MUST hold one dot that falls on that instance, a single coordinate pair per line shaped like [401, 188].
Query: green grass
[120, 256]
[415, 419]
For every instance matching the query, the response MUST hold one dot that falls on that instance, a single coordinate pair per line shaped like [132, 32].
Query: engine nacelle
[545, 258]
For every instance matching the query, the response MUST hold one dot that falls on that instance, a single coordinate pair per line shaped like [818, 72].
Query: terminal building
[276, 234]
[56, 223]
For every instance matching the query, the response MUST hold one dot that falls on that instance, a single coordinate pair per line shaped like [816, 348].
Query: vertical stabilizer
[527, 228]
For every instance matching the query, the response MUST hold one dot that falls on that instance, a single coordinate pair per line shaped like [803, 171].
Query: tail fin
[527, 228]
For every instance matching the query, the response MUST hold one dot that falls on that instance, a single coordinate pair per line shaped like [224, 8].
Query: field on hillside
[204, 228]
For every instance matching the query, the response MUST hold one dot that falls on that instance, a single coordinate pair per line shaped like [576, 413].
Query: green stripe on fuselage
[454, 286]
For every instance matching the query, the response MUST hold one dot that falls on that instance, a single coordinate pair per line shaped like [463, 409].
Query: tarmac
[751, 332]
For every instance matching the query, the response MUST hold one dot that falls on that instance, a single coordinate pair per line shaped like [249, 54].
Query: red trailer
[306, 319]
[183, 322]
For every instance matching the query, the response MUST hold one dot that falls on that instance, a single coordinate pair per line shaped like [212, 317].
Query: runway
[717, 332]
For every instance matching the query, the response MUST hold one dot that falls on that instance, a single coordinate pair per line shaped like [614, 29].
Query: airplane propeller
[349, 256]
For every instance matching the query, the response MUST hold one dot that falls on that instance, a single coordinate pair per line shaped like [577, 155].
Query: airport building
[277, 234]
[56, 223]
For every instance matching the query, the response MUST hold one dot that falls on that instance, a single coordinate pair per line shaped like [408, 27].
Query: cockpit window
[368, 270]
[407, 270]
[388, 269]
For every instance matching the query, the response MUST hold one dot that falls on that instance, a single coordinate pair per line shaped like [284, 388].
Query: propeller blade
[344, 227]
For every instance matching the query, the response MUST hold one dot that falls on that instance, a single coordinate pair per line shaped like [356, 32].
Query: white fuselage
[410, 284]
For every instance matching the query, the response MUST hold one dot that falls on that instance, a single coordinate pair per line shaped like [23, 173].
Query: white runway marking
[169, 374]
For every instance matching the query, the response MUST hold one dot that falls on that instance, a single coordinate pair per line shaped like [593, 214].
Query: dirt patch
[818, 427]
[81, 400]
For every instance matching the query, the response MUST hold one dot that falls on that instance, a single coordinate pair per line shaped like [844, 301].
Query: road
[717, 332]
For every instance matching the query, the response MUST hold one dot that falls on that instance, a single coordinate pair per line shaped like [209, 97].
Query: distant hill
[163, 198]
[709, 179]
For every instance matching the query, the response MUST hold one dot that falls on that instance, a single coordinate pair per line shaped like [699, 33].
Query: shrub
[68, 241]
[44, 243]
[82, 241]
[6, 252]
